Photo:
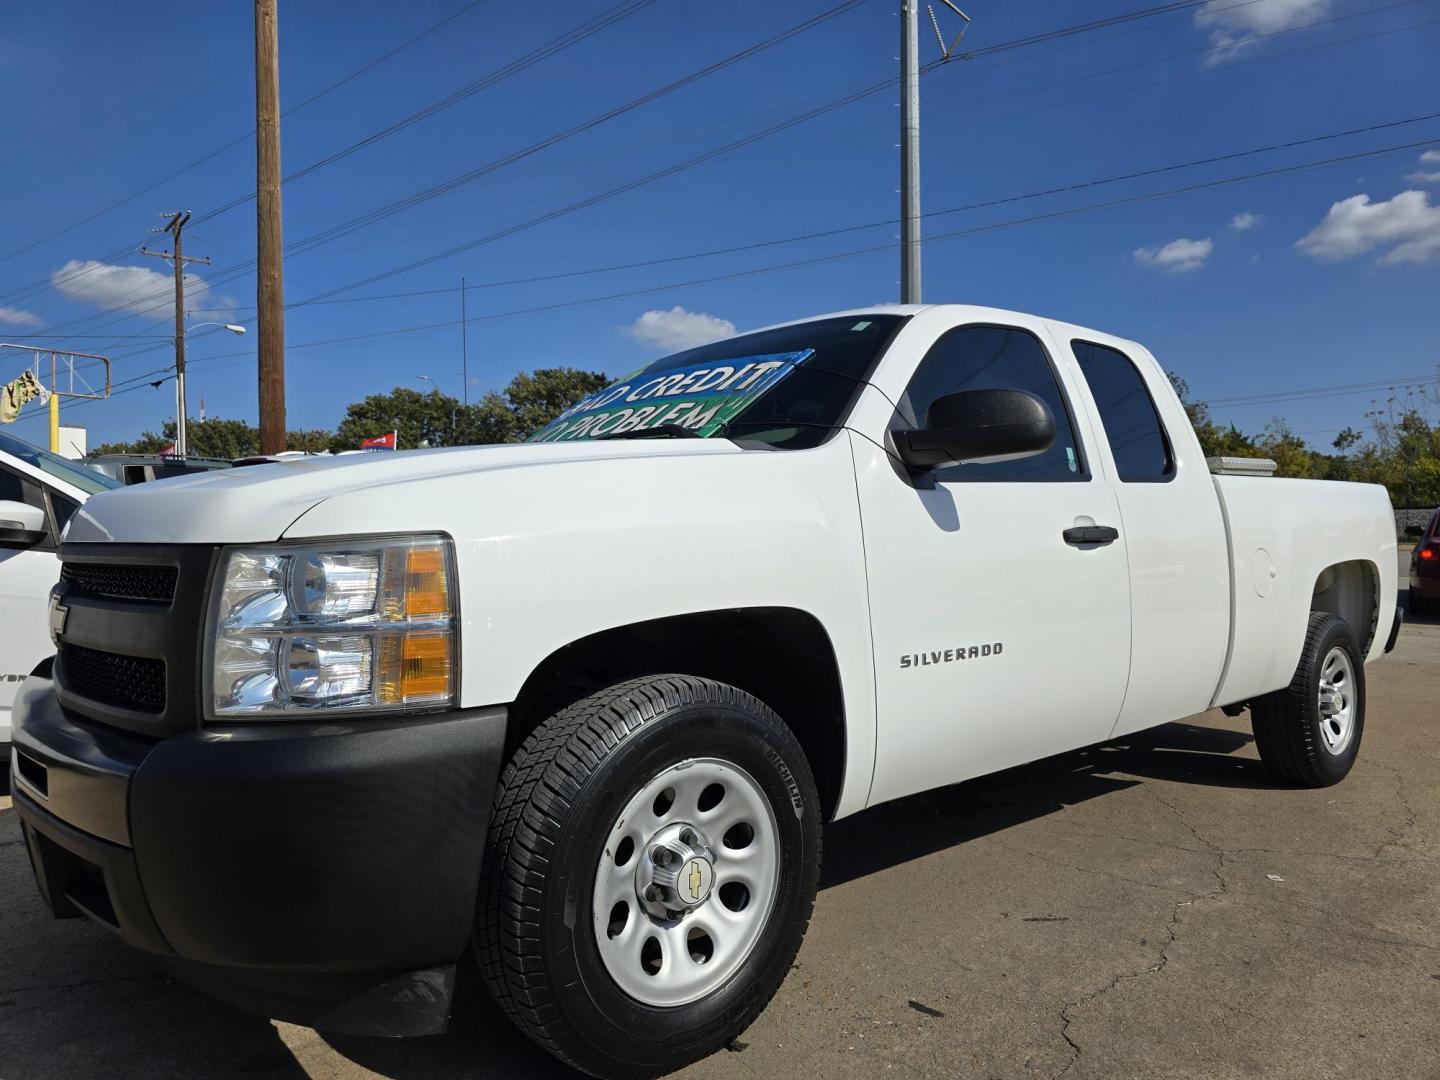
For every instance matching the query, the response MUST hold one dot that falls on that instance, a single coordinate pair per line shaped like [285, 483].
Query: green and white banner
[702, 397]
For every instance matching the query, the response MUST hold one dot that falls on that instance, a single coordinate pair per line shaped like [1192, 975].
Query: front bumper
[322, 873]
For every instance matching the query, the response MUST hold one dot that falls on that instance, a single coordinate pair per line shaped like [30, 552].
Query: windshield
[788, 388]
[87, 480]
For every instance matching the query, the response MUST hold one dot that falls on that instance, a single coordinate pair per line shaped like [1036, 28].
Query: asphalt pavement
[1158, 907]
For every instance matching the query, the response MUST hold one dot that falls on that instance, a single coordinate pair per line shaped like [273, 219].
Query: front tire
[1309, 733]
[650, 873]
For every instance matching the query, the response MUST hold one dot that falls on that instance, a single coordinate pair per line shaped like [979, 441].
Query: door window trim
[952, 473]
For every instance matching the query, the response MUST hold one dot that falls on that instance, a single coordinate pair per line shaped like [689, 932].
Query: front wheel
[650, 874]
[1309, 733]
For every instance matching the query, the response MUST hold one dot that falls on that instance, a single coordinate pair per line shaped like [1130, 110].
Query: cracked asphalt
[1153, 908]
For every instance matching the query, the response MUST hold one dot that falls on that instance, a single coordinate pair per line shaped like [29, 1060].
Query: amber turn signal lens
[425, 666]
[425, 592]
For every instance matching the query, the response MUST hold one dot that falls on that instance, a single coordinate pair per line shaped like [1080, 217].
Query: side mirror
[21, 524]
[1415, 531]
[978, 426]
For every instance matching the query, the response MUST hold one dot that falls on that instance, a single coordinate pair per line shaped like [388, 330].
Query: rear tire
[591, 961]
[1417, 604]
[1309, 733]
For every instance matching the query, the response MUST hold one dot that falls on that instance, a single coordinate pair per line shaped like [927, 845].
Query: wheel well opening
[782, 656]
[1351, 591]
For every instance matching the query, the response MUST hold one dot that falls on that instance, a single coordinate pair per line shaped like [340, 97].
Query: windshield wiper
[659, 431]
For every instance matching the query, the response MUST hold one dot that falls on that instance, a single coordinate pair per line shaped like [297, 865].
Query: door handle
[1091, 534]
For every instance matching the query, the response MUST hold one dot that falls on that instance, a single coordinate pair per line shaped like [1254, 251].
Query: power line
[838, 256]
[89, 266]
[842, 230]
[418, 198]
[571, 37]
[240, 139]
[415, 199]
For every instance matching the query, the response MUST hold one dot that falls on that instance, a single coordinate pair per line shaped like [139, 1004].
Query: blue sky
[1333, 282]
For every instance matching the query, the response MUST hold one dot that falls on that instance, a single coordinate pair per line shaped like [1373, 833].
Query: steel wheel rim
[666, 957]
[1337, 701]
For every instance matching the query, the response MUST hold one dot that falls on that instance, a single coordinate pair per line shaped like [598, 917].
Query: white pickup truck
[317, 729]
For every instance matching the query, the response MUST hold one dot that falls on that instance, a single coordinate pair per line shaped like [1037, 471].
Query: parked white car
[585, 705]
[38, 493]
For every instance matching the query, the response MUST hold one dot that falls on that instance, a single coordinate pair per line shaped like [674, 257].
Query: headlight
[364, 625]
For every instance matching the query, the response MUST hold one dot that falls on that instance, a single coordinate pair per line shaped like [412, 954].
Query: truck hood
[258, 503]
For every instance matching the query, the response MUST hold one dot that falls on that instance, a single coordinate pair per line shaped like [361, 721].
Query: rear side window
[995, 358]
[1137, 438]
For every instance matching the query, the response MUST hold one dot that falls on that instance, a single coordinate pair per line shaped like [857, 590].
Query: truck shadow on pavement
[85, 1007]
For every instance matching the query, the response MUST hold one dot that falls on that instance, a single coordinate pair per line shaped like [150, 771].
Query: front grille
[131, 682]
[116, 581]
[130, 634]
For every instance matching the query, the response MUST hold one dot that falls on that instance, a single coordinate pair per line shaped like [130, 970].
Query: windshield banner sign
[702, 397]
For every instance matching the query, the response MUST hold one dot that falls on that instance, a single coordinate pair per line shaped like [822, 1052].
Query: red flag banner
[381, 442]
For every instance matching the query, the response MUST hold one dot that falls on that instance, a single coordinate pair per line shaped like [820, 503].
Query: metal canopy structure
[71, 375]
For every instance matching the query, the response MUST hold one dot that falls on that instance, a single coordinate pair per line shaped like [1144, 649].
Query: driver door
[997, 641]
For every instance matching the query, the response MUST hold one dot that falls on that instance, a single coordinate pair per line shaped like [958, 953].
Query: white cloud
[17, 317]
[678, 329]
[1233, 25]
[1355, 225]
[135, 288]
[1176, 256]
[1429, 157]
[1245, 220]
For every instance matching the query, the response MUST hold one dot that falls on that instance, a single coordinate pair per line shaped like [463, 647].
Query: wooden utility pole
[175, 227]
[270, 282]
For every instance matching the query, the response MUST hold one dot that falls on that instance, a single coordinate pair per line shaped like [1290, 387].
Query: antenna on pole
[910, 135]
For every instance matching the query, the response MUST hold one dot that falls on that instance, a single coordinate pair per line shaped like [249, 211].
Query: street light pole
[437, 390]
[909, 152]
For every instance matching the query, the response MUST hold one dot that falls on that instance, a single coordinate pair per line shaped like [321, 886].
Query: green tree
[420, 419]
[212, 437]
[1216, 440]
[535, 398]
[312, 440]
[489, 420]
[529, 402]
[1281, 445]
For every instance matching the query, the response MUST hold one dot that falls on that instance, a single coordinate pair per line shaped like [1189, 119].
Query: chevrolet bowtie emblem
[58, 612]
[695, 880]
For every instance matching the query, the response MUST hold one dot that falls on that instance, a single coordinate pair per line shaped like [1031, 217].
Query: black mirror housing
[978, 426]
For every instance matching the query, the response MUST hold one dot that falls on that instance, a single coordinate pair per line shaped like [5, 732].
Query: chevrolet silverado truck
[583, 706]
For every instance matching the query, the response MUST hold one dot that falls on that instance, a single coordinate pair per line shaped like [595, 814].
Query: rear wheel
[1309, 733]
[650, 874]
[1417, 604]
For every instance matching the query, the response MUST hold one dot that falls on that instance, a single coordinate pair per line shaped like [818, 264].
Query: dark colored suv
[1425, 566]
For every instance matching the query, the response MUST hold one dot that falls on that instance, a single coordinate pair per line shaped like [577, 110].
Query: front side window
[1127, 412]
[994, 358]
[785, 389]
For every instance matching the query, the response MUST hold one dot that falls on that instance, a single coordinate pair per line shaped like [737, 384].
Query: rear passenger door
[1174, 532]
[997, 641]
